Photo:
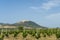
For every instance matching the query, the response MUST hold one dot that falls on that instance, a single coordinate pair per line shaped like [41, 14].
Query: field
[30, 34]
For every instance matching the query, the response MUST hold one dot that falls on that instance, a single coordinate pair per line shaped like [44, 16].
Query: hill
[29, 24]
[24, 23]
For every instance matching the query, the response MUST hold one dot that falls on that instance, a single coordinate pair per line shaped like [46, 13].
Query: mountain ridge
[24, 23]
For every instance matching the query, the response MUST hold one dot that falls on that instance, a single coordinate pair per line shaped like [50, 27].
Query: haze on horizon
[43, 12]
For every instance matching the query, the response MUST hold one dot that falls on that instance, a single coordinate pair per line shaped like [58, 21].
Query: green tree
[37, 36]
[24, 34]
[20, 28]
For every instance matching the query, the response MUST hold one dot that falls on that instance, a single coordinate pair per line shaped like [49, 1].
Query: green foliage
[37, 35]
[16, 33]
[20, 27]
[7, 34]
[24, 34]
[34, 32]
[11, 32]
[1, 36]
[30, 32]
[58, 34]
[44, 35]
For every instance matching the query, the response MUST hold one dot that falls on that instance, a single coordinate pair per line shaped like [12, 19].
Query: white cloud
[55, 16]
[34, 7]
[48, 5]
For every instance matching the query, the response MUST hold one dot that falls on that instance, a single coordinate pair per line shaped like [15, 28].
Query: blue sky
[43, 12]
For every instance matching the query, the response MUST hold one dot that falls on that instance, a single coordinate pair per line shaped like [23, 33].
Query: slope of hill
[24, 23]
[28, 24]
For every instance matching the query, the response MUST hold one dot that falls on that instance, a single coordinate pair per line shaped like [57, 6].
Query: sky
[43, 12]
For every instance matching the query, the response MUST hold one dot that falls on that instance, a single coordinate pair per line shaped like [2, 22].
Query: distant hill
[24, 23]
[29, 24]
[6, 24]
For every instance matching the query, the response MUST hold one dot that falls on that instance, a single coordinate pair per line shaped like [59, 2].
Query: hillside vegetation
[30, 34]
